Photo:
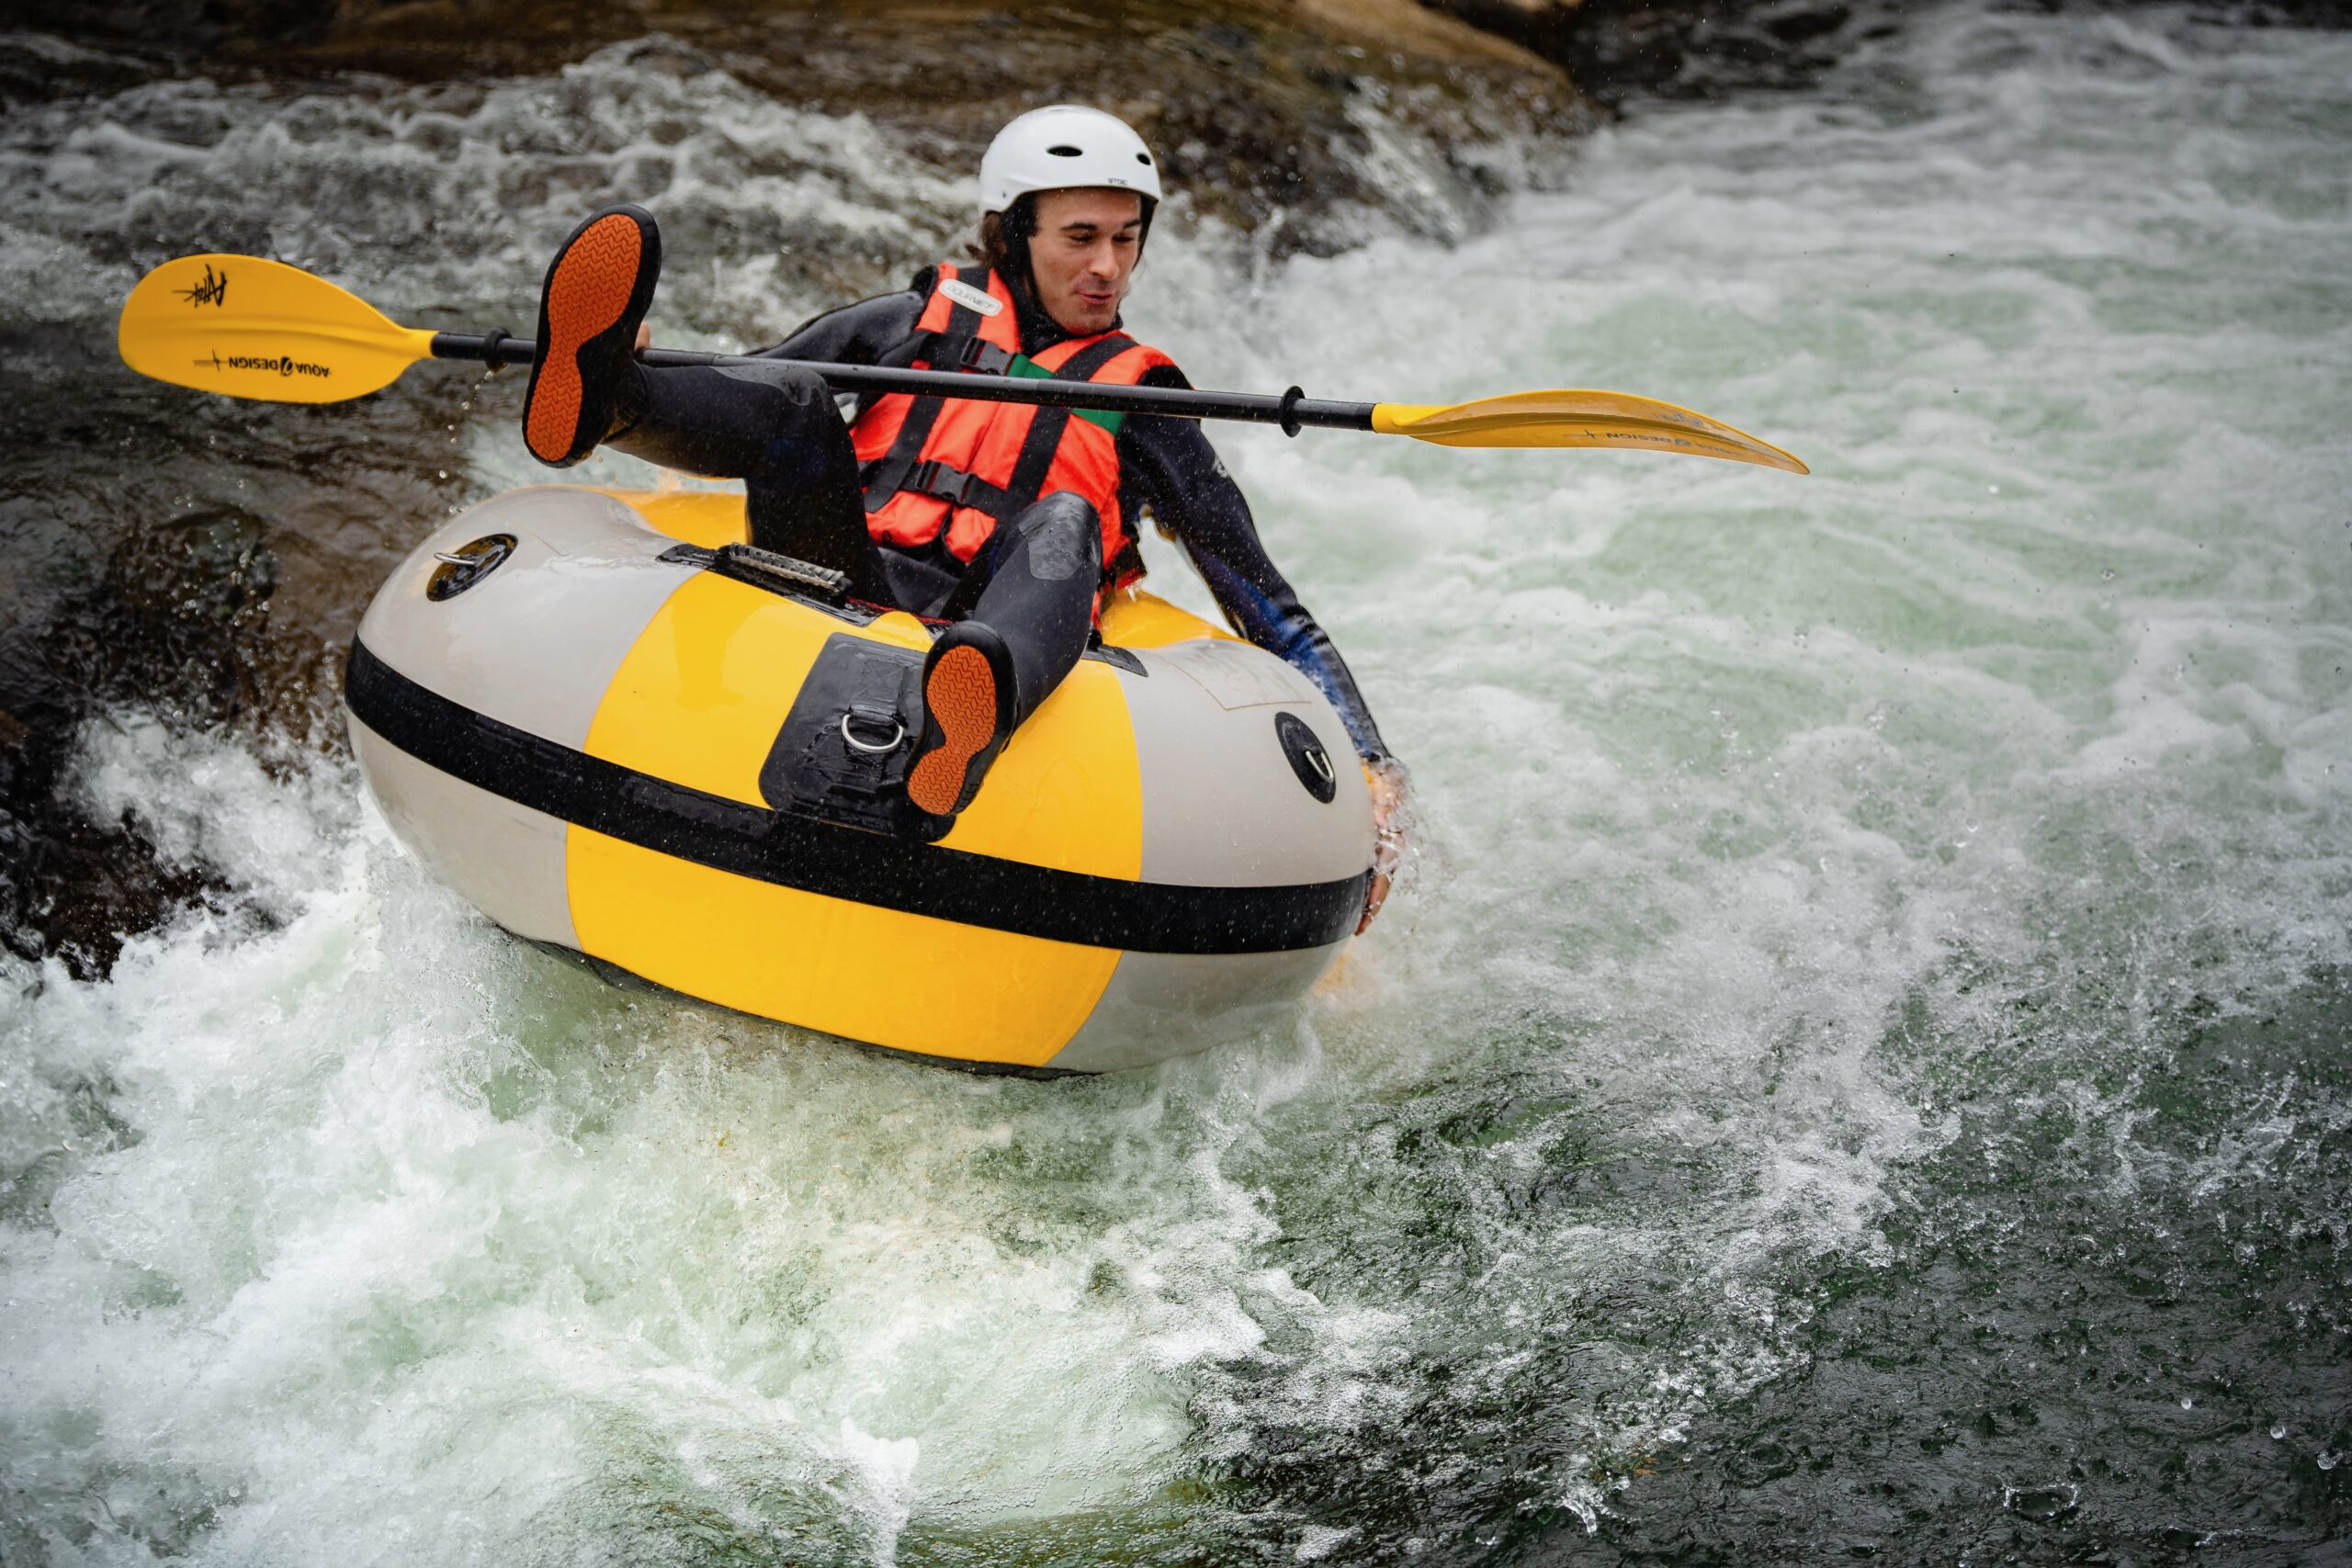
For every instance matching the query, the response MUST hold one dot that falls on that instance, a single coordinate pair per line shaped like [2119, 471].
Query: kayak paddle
[252, 328]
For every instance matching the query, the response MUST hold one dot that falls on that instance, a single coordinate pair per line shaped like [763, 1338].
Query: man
[1010, 522]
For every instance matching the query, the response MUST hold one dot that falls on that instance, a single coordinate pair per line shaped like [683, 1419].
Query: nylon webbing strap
[946, 351]
[950, 483]
[1045, 435]
[888, 477]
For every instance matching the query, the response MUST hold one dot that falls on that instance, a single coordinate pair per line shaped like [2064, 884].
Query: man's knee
[784, 386]
[1062, 536]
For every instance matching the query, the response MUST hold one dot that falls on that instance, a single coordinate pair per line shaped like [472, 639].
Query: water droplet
[2039, 1502]
[443, 472]
[1992, 489]
[2108, 575]
[2277, 1430]
[2327, 1460]
[2188, 1405]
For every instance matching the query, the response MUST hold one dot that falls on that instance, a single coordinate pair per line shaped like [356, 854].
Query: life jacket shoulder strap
[959, 335]
[1045, 431]
[950, 351]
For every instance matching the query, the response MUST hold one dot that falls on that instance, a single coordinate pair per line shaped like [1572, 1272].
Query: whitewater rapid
[1857, 920]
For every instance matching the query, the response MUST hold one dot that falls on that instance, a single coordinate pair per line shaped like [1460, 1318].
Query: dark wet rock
[1680, 48]
[195, 557]
[174, 619]
[72, 888]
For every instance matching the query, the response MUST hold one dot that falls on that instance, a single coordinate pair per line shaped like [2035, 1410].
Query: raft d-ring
[898, 734]
[1320, 761]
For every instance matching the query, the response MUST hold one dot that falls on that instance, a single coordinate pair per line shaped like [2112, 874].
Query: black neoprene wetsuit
[780, 432]
[1166, 465]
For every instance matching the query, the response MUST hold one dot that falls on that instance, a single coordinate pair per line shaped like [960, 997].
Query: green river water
[1858, 1068]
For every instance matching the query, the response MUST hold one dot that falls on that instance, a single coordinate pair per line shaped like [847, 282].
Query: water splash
[1907, 1055]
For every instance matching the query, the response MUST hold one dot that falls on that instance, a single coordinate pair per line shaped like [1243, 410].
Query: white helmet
[1065, 147]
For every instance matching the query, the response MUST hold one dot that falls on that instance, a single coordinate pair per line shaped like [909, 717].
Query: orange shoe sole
[960, 696]
[588, 294]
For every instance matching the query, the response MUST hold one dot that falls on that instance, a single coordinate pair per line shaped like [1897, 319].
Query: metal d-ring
[898, 734]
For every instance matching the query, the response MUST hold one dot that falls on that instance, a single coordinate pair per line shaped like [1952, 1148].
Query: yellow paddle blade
[260, 328]
[1579, 419]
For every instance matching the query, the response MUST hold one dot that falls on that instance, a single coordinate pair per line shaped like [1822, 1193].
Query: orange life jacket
[953, 465]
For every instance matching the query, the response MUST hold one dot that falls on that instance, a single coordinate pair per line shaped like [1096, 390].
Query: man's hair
[1002, 246]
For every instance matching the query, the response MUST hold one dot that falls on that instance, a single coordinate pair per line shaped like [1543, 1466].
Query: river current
[1857, 1067]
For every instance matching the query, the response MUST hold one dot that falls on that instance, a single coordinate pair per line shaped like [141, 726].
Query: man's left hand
[1386, 779]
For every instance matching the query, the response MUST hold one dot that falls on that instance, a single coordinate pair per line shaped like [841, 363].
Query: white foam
[389, 1236]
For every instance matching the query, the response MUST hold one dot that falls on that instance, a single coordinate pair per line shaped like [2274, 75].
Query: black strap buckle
[963, 354]
[933, 476]
[960, 350]
[979, 353]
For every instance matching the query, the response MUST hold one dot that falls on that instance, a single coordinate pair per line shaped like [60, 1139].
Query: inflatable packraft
[614, 728]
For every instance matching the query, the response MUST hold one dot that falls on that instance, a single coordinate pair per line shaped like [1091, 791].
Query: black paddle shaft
[1292, 411]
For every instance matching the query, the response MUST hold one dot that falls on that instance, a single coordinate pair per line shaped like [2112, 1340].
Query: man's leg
[1028, 600]
[775, 427]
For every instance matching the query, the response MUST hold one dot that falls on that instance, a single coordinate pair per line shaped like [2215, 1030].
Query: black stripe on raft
[835, 860]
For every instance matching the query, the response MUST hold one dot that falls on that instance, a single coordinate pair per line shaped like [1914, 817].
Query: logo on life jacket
[971, 298]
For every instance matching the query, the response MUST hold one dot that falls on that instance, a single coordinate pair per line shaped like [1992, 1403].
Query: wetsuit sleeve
[1196, 504]
[859, 333]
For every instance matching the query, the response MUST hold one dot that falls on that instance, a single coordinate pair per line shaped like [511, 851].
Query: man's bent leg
[1033, 585]
[1031, 602]
[775, 427]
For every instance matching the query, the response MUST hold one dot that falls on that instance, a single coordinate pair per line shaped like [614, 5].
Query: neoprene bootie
[968, 702]
[585, 382]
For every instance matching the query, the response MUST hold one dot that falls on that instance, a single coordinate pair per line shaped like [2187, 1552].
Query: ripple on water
[1859, 1070]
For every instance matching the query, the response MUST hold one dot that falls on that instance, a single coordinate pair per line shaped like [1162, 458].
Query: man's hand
[1385, 779]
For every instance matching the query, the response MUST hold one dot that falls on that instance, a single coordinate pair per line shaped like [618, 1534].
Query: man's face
[1084, 252]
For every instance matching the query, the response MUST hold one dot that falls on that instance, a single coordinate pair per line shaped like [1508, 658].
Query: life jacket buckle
[933, 476]
[951, 351]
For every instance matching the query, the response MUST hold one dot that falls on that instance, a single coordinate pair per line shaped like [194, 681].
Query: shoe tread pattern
[588, 294]
[960, 696]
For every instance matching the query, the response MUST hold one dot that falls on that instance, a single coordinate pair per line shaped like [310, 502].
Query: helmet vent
[1143, 157]
[1064, 151]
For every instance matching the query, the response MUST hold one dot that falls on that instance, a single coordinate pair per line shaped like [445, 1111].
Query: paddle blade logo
[273, 365]
[213, 289]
